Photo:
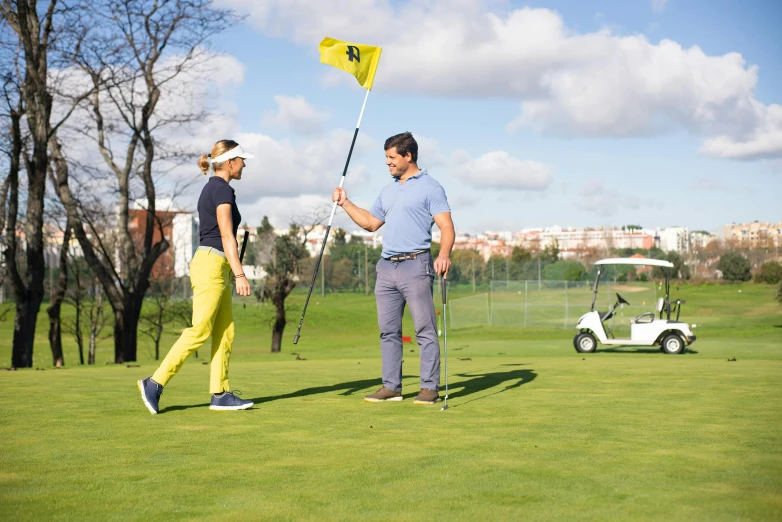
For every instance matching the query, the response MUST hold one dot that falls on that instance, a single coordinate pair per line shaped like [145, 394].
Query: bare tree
[75, 297]
[40, 34]
[55, 301]
[163, 310]
[86, 297]
[133, 63]
[281, 258]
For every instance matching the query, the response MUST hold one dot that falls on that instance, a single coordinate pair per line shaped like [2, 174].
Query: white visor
[236, 152]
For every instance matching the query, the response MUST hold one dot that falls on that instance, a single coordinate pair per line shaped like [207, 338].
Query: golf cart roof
[640, 261]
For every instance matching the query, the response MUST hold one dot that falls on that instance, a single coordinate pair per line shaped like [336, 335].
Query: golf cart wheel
[673, 344]
[585, 343]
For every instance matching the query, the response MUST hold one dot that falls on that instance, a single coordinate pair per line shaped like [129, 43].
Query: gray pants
[407, 282]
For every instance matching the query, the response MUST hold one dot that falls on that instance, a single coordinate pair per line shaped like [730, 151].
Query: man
[408, 206]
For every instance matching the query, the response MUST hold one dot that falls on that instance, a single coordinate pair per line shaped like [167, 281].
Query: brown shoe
[384, 394]
[427, 396]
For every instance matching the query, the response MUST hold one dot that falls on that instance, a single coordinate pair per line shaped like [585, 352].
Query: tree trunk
[38, 101]
[93, 344]
[126, 331]
[24, 330]
[55, 334]
[55, 327]
[279, 323]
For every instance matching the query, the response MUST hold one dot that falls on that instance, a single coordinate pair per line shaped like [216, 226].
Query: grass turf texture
[535, 430]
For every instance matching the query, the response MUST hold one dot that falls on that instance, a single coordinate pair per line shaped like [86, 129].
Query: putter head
[296, 339]
[445, 407]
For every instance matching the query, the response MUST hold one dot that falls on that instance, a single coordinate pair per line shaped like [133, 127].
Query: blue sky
[571, 113]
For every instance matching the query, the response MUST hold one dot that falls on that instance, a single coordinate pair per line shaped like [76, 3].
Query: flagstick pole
[331, 219]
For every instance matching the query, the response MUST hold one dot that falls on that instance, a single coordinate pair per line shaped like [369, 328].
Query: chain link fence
[550, 304]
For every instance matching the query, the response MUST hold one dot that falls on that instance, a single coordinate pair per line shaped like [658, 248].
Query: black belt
[407, 255]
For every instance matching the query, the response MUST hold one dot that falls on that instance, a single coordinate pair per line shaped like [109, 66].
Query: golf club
[444, 287]
[244, 245]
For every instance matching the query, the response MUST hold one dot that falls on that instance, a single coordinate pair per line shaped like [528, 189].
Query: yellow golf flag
[357, 59]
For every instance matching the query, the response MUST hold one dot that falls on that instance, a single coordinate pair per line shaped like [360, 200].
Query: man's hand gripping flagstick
[360, 61]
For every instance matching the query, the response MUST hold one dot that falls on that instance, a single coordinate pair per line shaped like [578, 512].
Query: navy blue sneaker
[229, 401]
[150, 394]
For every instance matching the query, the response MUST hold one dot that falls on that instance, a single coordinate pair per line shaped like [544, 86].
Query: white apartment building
[699, 240]
[674, 238]
[184, 241]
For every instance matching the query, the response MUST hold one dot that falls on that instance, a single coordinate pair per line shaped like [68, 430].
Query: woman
[215, 260]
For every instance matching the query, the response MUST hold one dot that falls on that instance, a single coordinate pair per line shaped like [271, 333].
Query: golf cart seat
[648, 317]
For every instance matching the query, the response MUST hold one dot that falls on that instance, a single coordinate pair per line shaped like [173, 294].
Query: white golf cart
[648, 329]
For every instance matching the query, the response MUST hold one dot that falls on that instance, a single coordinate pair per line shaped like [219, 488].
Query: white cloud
[284, 169]
[500, 170]
[282, 211]
[296, 114]
[588, 84]
[597, 198]
[764, 142]
[429, 154]
[658, 6]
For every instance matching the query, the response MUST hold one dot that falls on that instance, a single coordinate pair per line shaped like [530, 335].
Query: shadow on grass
[477, 383]
[347, 388]
[631, 350]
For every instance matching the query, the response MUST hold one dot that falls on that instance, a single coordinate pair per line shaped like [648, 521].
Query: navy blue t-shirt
[216, 192]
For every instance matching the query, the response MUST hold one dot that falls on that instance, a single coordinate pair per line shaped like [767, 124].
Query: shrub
[565, 271]
[770, 273]
[734, 267]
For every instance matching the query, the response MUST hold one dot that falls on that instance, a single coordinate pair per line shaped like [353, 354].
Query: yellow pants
[210, 277]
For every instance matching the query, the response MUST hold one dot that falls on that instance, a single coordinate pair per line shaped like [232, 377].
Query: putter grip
[244, 245]
[444, 287]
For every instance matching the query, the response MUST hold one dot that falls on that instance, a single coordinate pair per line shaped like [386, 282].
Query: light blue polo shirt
[407, 209]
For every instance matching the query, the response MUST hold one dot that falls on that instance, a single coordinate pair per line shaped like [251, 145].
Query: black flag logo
[353, 52]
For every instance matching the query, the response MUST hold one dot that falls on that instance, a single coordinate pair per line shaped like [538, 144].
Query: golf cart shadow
[633, 349]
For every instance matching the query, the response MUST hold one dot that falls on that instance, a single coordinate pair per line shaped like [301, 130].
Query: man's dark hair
[404, 143]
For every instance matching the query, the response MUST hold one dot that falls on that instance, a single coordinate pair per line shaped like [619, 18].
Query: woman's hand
[242, 286]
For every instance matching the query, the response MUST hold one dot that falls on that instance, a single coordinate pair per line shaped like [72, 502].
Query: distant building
[676, 239]
[755, 234]
[699, 239]
[179, 227]
[574, 241]
[184, 242]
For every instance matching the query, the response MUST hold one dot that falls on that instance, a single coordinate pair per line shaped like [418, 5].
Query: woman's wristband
[240, 275]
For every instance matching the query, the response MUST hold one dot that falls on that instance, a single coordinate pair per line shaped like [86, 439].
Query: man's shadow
[347, 388]
[475, 383]
[479, 382]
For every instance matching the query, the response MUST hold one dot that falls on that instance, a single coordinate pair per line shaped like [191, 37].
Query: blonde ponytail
[203, 163]
[219, 148]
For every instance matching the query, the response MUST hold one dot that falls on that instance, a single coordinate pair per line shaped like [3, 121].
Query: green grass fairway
[535, 431]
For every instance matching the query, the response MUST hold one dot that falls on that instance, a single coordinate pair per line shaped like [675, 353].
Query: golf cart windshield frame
[636, 262]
